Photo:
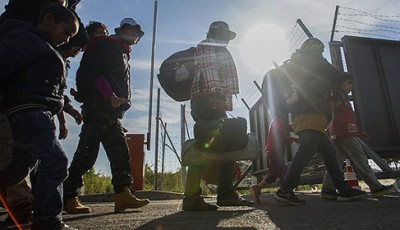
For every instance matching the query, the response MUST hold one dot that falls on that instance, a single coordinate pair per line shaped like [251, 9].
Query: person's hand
[117, 101]
[294, 139]
[365, 136]
[73, 92]
[75, 114]
[63, 131]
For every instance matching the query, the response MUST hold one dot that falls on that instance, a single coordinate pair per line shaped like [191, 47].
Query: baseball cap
[222, 26]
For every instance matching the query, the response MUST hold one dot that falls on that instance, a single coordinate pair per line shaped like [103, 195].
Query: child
[32, 73]
[346, 133]
[275, 153]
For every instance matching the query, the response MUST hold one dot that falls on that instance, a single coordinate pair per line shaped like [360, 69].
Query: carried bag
[177, 73]
[223, 135]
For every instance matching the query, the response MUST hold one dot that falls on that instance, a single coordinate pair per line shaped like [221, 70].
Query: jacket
[107, 57]
[344, 122]
[32, 72]
[317, 83]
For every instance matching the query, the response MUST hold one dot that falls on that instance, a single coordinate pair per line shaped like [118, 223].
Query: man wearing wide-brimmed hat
[214, 84]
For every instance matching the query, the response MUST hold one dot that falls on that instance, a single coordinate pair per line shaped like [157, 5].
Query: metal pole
[244, 102]
[156, 147]
[153, 47]
[183, 139]
[334, 23]
[258, 86]
[301, 24]
[163, 157]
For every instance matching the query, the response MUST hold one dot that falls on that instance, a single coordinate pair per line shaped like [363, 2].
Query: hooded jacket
[32, 72]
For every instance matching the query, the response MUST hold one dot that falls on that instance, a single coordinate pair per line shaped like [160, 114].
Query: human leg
[116, 148]
[117, 151]
[357, 151]
[192, 200]
[308, 146]
[34, 134]
[328, 152]
[83, 160]
[357, 155]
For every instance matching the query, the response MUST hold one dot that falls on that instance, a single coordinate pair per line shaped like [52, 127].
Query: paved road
[316, 214]
[370, 213]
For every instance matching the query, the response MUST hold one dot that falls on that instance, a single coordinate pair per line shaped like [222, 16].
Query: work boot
[74, 206]
[126, 199]
[197, 204]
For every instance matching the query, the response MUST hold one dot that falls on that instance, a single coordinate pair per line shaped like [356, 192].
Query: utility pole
[156, 147]
[153, 48]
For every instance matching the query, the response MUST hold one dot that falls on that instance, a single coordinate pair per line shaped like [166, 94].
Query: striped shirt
[215, 72]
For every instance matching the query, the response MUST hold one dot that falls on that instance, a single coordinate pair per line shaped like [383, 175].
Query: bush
[95, 183]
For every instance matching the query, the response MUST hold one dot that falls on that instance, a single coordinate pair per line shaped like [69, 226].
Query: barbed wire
[376, 16]
[369, 30]
[368, 24]
[357, 22]
[371, 34]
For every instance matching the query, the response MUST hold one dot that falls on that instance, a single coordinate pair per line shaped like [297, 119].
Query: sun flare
[261, 45]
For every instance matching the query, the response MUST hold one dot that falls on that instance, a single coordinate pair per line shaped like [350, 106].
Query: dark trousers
[100, 129]
[208, 108]
[311, 142]
[35, 140]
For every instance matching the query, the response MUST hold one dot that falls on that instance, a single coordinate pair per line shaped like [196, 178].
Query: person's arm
[62, 126]
[16, 53]
[103, 86]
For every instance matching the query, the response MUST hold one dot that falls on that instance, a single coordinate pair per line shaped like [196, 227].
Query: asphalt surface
[369, 213]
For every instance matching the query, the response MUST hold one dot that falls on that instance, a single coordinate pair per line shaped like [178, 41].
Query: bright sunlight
[261, 45]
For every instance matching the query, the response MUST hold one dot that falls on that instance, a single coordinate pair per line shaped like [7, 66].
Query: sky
[262, 26]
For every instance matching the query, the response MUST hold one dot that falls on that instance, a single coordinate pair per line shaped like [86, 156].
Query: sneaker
[197, 204]
[256, 191]
[351, 194]
[385, 189]
[329, 194]
[288, 198]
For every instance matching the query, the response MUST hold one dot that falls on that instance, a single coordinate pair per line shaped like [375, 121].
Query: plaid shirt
[215, 72]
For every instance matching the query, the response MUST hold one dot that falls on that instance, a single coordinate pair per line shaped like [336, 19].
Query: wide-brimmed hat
[222, 28]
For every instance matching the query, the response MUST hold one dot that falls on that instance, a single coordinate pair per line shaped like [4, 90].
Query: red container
[136, 149]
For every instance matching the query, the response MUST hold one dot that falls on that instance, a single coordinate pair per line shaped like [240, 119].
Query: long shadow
[368, 213]
[195, 220]
[87, 216]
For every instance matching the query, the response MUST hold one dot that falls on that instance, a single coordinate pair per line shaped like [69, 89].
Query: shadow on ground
[369, 213]
[196, 220]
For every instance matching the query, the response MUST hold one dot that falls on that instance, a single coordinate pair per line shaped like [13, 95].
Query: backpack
[279, 89]
[177, 73]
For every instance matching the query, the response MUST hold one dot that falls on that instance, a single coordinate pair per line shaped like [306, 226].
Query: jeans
[354, 149]
[35, 140]
[311, 142]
